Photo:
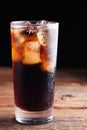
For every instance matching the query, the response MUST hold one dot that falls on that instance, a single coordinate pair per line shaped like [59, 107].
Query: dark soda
[33, 88]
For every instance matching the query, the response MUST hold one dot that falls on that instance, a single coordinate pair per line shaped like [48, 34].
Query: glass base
[33, 117]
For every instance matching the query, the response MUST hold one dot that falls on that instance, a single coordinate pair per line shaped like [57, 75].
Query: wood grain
[70, 102]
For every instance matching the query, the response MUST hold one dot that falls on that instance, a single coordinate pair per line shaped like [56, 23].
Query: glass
[34, 54]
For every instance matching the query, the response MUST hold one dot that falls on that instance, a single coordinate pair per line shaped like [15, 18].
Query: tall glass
[34, 53]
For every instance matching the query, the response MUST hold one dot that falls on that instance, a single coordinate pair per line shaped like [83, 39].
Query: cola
[34, 88]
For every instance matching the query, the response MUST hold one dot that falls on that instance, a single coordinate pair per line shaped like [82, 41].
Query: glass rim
[37, 23]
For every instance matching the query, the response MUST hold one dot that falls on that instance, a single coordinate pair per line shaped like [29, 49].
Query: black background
[72, 50]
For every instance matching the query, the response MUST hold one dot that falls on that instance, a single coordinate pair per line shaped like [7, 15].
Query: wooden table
[70, 104]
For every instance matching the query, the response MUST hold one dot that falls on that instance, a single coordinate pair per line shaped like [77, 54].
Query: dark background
[72, 50]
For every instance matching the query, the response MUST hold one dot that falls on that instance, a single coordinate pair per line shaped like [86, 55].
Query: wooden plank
[71, 96]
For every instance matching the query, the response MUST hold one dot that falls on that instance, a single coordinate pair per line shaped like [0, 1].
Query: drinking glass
[34, 46]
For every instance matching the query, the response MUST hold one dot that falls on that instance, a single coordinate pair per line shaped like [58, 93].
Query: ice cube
[33, 45]
[27, 23]
[16, 54]
[18, 37]
[47, 65]
[42, 36]
[29, 31]
[31, 54]
[41, 22]
[48, 59]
